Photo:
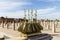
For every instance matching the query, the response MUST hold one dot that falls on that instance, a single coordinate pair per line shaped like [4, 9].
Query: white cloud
[53, 15]
[48, 13]
[16, 14]
[10, 4]
[46, 10]
[6, 5]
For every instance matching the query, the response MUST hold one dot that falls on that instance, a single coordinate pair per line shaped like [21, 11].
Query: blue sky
[46, 9]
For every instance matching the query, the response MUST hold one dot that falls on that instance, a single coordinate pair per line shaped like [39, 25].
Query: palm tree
[30, 28]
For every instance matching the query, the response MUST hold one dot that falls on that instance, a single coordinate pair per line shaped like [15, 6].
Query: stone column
[14, 25]
[49, 25]
[53, 27]
[7, 25]
[3, 24]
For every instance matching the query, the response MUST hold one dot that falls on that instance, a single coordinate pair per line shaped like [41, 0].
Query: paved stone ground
[10, 32]
[56, 36]
[15, 34]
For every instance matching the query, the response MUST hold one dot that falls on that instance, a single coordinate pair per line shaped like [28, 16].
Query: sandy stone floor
[15, 34]
[56, 36]
[9, 32]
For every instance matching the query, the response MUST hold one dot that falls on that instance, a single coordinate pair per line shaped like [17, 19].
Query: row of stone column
[49, 25]
[9, 25]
